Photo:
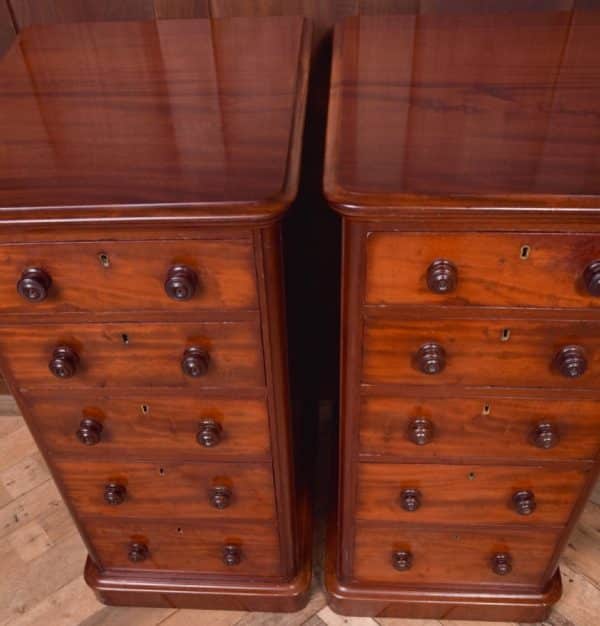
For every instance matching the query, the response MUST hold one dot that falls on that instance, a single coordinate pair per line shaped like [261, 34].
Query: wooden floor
[42, 556]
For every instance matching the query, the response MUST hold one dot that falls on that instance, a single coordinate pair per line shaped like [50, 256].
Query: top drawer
[483, 269]
[110, 276]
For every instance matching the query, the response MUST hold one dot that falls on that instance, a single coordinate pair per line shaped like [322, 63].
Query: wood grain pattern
[7, 29]
[148, 426]
[497, 136]
[150, 358]
[181, 9]
[467, 494]
[28, 12]
[184, 111]
[477, 353]
[472, 118]
[479, 428]
[194, 547]
[134, 134]
[491, 268]
[132, 277]
[460, 557]
[183, 489]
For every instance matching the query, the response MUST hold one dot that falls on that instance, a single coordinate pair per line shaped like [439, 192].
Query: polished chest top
[167, 118]
[487, 110]
[463, 154]
[143, 171]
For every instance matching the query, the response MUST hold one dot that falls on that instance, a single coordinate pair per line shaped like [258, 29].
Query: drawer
[483, 269]
[461, 428]
[180, 545]
[110, 276]
[147, 426]
[511, 353]
[133, 355]
[216, 491]
[468, 494]
[463, 556]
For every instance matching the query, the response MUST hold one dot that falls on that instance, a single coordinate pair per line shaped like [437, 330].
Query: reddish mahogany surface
[463, 153]
[462, 109]
[181, 112]
[149, 355]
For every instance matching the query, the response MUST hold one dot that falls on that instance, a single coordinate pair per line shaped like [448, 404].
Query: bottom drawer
[250, 549]
[458, 556]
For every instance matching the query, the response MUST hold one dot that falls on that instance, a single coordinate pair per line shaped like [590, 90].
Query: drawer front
[110, 276]
[482, 269]
[216, 491]
[512, 353]
[462, 428]
[187, 547]
[468, 494]
[134, 355]
[147, 426]
[463, 556]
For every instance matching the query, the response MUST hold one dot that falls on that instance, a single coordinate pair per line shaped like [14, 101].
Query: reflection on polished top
[466, 110]
[187, 113]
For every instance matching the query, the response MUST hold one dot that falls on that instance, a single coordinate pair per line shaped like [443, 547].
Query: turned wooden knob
[570, 361]
[410, 499]
[90, 432]
[420, 431]
[431, 358]
[591, 278]
[209, 433]
[114, 493]
[195, 362]
[524, 502]
[232, 555]
[442, 276]
[181, 283]
[502, 564]
[34, 285]
[220, 497]
[545, 436]
[402, 560]
[138, 552]
[64, 362]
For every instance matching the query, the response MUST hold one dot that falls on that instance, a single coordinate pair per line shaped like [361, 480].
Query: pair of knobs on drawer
[219, 496]
[421, 432]
[501, 562]
[65, 362]
[570, 361]
[209, 434]
[523, 501]
[181, 284]
[231, 555]
[442, 277]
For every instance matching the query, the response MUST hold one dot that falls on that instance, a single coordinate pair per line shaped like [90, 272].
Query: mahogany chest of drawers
[463, 153]
[144, 171]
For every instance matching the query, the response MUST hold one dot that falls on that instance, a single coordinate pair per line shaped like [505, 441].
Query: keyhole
[104, 259]
[180, 531]
[125, 338]
[505, 336]
[525, 252]
[145, 409]
[471, 476]
[487, 409]
[161, 471]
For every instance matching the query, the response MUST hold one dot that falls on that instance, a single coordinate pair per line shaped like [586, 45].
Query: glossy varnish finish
[145, 169]
[149, 426]
[479, 428]
[461, 155]
[124, 118]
